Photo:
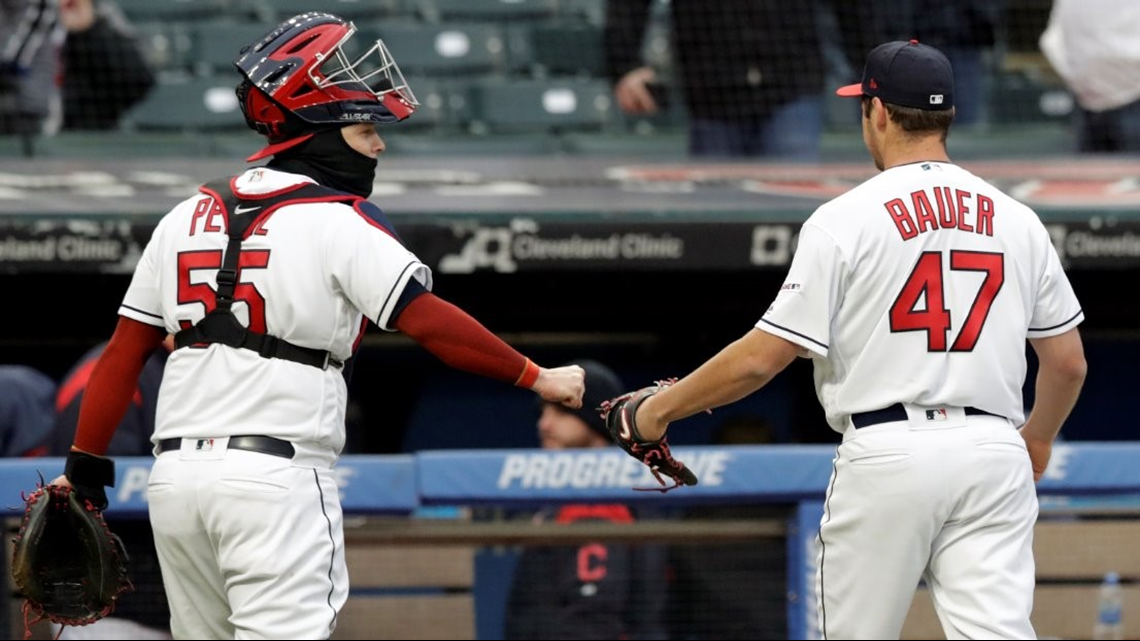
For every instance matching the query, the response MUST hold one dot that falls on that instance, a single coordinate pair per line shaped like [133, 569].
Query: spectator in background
[596, 590]
[143, 613]
[25, 411]
[30, 39]
[104, 72]
[1094, 46]
[963, 30]
[752, 72]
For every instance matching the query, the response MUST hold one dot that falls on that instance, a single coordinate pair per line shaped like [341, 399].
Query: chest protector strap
[221, 325]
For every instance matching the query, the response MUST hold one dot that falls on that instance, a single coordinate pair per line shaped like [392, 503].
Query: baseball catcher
[68, 565]
[620, 417]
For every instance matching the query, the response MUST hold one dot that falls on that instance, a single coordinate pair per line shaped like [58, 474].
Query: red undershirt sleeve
[113, 383]
[462, 342]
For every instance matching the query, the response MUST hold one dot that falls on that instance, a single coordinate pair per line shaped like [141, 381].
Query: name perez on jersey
[942, 208]
[209, 213]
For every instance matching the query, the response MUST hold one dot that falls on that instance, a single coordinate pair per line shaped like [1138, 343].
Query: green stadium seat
[215, 45]
[165, 46]
[347, 9]
[452, 145]
[550, 104]
[591, 10]
[104, 145]
[492, 10]
[173, 10]
[672, 144]
[444, 49]
[1018, 98]
[565, 47]
[188, 103]
[444, 104]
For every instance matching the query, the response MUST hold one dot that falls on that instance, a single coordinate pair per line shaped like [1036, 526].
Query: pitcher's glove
[68, 565]
[618, 414]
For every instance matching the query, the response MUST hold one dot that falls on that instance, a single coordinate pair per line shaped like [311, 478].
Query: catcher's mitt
[619, 413]
[68, 565]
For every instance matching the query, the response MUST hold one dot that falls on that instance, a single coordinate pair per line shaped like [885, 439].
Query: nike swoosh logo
[244, 210]
[624, 433]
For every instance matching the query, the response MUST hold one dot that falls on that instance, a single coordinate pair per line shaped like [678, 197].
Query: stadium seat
[450, 145]
[492, 10]
[551, 104]
[658, 145]
[173, 10]
[593, 11]
[1019, 98]
[565, 47]
[122, 145]
[188, 103]
[215, 45]
[444, 49]
[347, 9]
[443, 104]
[165, 46]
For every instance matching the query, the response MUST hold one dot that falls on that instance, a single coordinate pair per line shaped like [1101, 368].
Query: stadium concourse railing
[1092, 487]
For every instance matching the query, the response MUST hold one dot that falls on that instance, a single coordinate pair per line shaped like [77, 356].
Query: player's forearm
[1060, 375]
[1056, 394]
[738, 370]
[113, 383]
[462, 342]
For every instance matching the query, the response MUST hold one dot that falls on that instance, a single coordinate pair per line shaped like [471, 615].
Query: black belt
[264, 444]
[897, 412]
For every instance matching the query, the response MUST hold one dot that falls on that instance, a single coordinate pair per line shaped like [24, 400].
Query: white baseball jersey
[308, 275]
[921, 286]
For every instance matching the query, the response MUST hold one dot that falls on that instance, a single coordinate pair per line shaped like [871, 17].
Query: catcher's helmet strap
[220, 325]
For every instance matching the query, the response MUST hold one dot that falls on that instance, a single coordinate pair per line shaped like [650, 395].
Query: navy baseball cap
[909, 74]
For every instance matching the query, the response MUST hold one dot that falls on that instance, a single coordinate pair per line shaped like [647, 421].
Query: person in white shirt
[1093, 46]
[914, 294]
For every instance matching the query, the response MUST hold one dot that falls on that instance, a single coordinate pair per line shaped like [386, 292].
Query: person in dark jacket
[596, 590]
[25, 411]
[104, 71]
[752, 73]
[962, 29]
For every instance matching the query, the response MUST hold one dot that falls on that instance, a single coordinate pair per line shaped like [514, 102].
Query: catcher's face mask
[301, 74]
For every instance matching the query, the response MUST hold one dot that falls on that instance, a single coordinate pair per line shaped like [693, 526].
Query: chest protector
[220, 325]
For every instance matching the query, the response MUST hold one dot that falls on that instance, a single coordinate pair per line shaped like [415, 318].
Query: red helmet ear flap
[261, 114]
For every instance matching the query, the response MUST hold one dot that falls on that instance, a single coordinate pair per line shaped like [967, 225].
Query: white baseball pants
[954, 504]
[251, 545]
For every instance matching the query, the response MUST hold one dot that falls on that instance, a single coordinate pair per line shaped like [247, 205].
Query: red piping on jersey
[356, 208]
[257, 222]
[459, 340]
[261, 218]
[613, 513]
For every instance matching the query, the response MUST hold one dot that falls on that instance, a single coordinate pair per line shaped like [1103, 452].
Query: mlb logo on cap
[908, 74]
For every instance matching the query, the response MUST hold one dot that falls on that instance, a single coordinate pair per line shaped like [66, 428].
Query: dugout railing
[423, 531]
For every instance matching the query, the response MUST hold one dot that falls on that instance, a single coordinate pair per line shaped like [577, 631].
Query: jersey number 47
[934, 319]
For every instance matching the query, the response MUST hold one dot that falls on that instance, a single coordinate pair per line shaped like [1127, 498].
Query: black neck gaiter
[327, 159]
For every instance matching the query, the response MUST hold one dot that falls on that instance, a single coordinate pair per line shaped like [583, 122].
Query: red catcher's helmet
[299, 75]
